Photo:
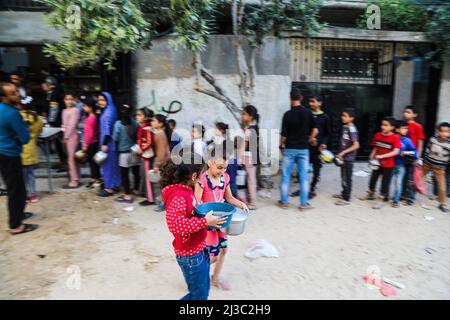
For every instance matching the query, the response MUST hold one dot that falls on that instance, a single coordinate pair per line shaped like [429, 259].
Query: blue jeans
[398, 176]
[301, 157]
[196, 274]
[29, 179]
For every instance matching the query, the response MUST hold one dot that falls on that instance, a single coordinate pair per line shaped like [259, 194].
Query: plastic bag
[419, 181]
[261, 248]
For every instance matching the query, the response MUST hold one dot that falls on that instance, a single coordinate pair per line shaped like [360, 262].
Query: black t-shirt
[296, 127]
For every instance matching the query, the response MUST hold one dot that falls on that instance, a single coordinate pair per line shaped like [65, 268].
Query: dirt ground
[323, 253]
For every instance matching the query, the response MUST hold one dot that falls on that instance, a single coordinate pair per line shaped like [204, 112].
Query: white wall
[444, 99]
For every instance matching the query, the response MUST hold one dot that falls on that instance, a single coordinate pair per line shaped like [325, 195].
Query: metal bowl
[338, 161]
[136, 149]
[100, 157]
[153, 176]
[81, 156]
[374, 164]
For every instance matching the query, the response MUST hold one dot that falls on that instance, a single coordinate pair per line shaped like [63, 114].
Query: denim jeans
[347, 179]
[398, 176]
[408, 183]
[195, 270]
[301, 157]
[30, 181]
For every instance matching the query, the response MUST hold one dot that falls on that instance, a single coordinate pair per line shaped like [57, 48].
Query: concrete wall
[403, 86]
[444, 99]
[166, 73]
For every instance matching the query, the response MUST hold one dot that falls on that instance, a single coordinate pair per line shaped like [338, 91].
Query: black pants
[11, 171]
[317, 165]
[60, 149]
[386, 174]
[408, 191]
[125, 173]
[347, 179]
[95, 169]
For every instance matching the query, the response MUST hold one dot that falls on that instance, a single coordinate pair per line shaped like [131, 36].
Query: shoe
[337, 196]
[306, 207]
[282, 205]
[369, 196]
[122, 199]
[409, 202]
[160, 208]
[312, 195]
[395, 204]
[26, 228]
[34, 199]
[146, 203]
[444, 209]
[378, 205]
[103, 193]
[295, 193]
[342, 202]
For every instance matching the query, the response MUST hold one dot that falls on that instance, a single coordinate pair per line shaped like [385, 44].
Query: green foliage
[438, 31]
[106, 28]
[399, 15]
[273, 16]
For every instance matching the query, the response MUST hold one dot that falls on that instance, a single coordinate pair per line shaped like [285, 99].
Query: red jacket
[188, 230]
[145, 137]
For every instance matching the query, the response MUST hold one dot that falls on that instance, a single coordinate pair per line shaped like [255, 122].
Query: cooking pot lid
[239, 215]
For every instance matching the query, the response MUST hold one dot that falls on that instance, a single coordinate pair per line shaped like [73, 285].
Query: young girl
[250, 117]
[146, 143]
[111, 170]
[162, 152]
[90, 141]
[29, 153]
[70, 119]
[198, 145]
[188, 230]
[214, 186]
[125, 135]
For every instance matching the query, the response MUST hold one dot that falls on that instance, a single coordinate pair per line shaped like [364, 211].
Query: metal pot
[241, 177]
[153, 176]
[81, 156]
[338, 161]
[237, 225]
[100, 157]
[135, 149]
[374, 164]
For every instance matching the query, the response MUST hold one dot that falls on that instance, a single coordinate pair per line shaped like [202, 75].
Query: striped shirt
[437, 153]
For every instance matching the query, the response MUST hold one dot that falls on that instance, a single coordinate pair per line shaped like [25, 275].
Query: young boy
[348, 148]
[417, 136]
[322, 138]
[407, 156]
[436, 160]
[386, 145]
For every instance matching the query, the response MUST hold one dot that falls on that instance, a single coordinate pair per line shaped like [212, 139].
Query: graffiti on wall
[175, 106]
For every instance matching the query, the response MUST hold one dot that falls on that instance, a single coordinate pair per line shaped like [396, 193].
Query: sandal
[282, 205]
[307, 207]
[26, 228]
[122, 199]
[72, 187]
[104, 193]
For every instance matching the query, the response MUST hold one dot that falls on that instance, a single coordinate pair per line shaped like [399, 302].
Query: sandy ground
[323, 253]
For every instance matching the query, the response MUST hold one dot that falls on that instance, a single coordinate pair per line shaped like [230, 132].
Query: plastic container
[219, 209]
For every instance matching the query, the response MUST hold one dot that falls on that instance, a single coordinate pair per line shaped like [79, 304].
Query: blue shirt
[407, 145]
[122, 137]
[14, 131]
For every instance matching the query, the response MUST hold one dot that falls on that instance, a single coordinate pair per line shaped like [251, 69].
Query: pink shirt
[214, 194]
[70, 119]
[90, 130]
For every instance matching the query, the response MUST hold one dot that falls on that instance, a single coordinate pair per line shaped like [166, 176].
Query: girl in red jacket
[146, 142]
[188, 230]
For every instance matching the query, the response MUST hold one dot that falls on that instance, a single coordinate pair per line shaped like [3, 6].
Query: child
[90, 141]
[125, 135]
[348, 148]
[214, 186]
[386, 145]
[436, 160]
[250, 117]
[188, 230]
[417, 136]
[29, 152]
[176, 139]
[162, 134]
[70, 119]
[146, 143]
[401, 160]
[322, 138]
[198, 145]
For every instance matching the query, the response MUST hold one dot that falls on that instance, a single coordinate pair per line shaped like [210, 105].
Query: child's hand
[214, 221]
[378, 157]
[104, 148]
[340, 155]
[244, 207]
